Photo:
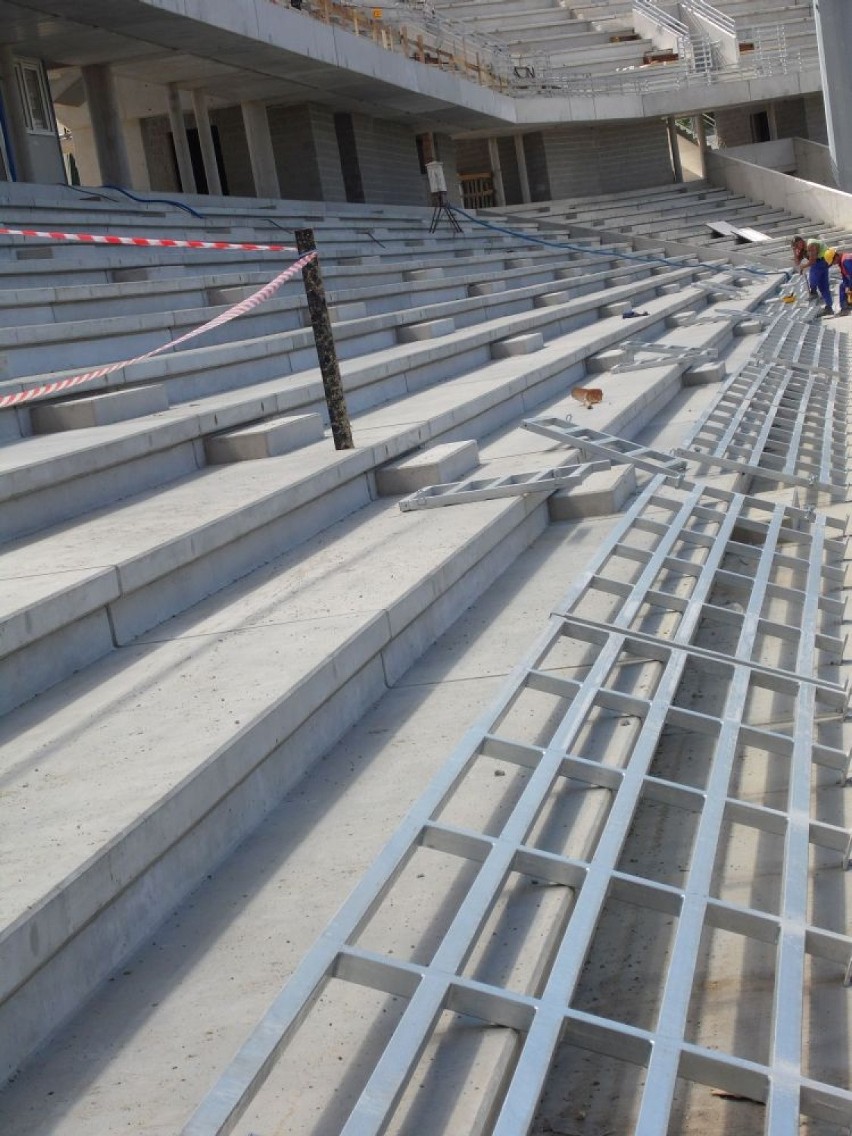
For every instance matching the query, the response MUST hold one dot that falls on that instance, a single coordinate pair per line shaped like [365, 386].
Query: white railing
[413, 28]
[711, 15]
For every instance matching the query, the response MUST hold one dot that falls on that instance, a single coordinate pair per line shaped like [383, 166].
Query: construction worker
[816, 257]
[843, 260]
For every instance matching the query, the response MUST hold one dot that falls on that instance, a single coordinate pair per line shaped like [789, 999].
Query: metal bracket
[609, 447]
[662, 353]
[492, 488]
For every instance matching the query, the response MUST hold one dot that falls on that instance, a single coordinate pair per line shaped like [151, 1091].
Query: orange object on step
[589, 396]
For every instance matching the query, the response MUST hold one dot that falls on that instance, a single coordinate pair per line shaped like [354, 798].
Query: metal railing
[710, 14]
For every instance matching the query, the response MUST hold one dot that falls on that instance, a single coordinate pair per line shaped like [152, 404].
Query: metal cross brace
[734, 292]
[737, 314]
[661, 353]
[608, 447]
[491, 488]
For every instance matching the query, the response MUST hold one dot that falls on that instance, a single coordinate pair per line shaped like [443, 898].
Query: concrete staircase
[188, 628]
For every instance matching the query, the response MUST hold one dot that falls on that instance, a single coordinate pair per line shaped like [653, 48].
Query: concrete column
[260, 150]
[834, 34]
[522, 169]
[20, 158]
[701, 135]
[496, 172]
[105, 116]
[675, 149]
[205, 137]
[178, 125]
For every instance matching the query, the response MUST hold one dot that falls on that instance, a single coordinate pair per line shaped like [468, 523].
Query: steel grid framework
[686, 565]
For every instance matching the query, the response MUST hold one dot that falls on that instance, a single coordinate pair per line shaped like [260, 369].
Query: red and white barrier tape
[239, 309]
[144, 242]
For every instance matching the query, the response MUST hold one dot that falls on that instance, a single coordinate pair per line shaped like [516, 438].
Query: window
[35, 97]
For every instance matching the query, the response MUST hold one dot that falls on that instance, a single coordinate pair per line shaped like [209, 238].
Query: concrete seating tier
[142, 583]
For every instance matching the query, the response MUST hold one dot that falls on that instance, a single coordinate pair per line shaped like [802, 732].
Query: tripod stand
[442, 209]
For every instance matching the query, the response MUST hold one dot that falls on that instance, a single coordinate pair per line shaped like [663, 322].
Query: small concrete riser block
[339, 313]
[438, 465]
[600, 495]
[266, 439]
[614, 309]
[518, 345]
[432, 329]
[605, 360]
[486, 288]
[99, 409]
[680, 319]
[746, 327]
[704, 373]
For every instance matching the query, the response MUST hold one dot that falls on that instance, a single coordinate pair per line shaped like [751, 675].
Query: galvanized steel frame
[686, 534]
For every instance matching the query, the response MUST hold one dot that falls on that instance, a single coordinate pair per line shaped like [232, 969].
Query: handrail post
[332, 383]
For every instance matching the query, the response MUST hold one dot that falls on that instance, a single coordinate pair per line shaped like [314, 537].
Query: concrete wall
[46, 156]
[789, 118]
[307, 159]
[159, 157]
[817, 127]
[535, 156]
[824, 205]
[387, 157]
[235, 155]
[604, 159]
[813, 162]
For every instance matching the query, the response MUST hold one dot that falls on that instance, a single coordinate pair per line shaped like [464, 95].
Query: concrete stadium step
[316, 657]
[170, 547]
[199, 371]
[31, 349]
[95, 301]
[319, 658]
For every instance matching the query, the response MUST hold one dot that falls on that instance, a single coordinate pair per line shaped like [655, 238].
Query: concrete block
[746, 327]
[703, 373]
[225, 297]
[567, 273]
[339, 313]
[669, 289]
[34, 253]
[599, 495]
[423, 274]
[716, 297]
[267, 439]
[519, 262]
[680, 319]
[704, 274]
[129, 275]
[431, 329]
[605, 360]
[99, 409]
[486, 288]
[614, 309]
[435, 466]
[550, 299]
[518, 345]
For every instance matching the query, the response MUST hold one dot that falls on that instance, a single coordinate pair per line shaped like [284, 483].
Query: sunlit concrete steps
[166, 549]
[32, 349]
[52, 477]
[160, 804]
[42, 465]
[197, 372]
[276, 672]
[75, 302]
